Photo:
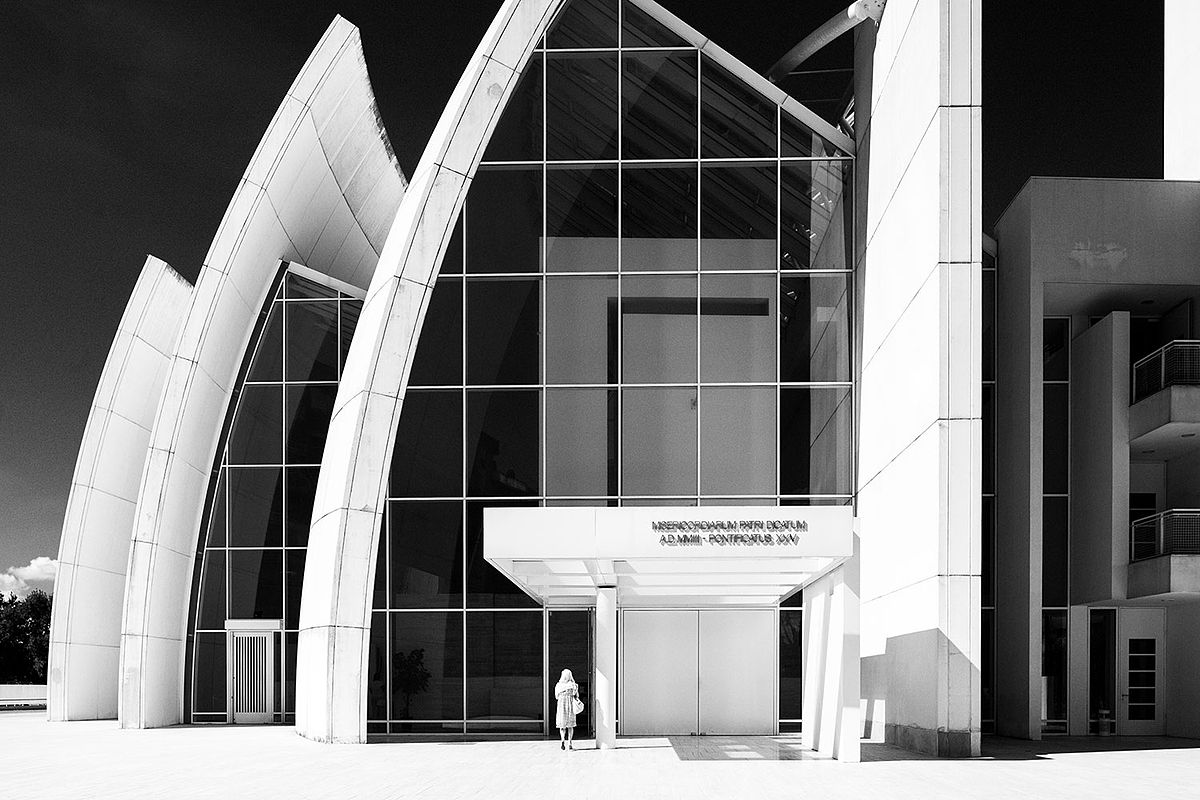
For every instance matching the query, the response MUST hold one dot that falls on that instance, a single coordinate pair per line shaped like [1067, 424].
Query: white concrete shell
[93, 554]
[320, 190]
[339, 573]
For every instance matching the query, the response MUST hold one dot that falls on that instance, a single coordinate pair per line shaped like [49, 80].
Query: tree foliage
[24, 637]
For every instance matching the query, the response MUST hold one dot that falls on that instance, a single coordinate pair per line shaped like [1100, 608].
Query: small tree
[410, 676]
[24, 637]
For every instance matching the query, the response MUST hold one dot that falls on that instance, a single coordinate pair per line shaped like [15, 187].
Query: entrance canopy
[669, 555]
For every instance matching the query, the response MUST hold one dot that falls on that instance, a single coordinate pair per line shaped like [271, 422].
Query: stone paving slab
[97, 760]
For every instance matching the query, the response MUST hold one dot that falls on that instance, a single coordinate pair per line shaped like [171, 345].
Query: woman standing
[566, 695]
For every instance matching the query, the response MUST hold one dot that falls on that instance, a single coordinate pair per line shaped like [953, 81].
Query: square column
[606, 667]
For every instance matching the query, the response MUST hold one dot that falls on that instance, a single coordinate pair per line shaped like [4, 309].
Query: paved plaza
[96, 760]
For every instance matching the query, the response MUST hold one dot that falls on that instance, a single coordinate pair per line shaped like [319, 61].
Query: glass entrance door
[1140, 661]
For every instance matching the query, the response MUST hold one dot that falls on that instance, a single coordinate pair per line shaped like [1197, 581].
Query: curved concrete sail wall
[93, 554]
[320, 190]
[339, 573]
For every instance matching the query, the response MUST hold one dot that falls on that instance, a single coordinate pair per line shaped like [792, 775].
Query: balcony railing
[1175, 532]
[1174, 364]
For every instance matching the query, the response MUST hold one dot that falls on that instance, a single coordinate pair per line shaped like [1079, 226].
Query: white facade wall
[93, 554]
[919, 259]
[1181, 90]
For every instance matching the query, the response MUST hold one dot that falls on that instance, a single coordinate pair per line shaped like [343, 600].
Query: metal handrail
[1158, 370]
[1175, 531]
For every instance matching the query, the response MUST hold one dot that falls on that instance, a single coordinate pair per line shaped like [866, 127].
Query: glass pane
[298, 288]
[735, 121]
[658, 98]
[503, 323]
[211, 614]
[1054, 666]
[268, 357]
[639, 29]
[658, 218]
[301, 493]
[256, 584]
[987, 524]
[426, 664]
[1056, 426]
[581, 106]
[1143, 646]
[486, 586]
[427, 563]
[1054, 551]
[987, 679]
[503, 436]
[816, 501]
[379, 593]
[988, 360]
[1056, 339]
[312, 341]
[255, 506]
[438, 361]
[293, 561]
[518, 134]
[570, 647]
[427, 460]
[585, 23]
[814, 441]
[257, 435]
[307, 422]
[814, 210]
[737, 440]
[737, 328]
[377, 655]
[737, 217]
[581, 442]
[216, 514]
[658, 441]
[988, 438]
[504, 220]
[791, 665]
[798, 140]
[814, 328]
[504, 665]
[658, 329]
[581, 220]
[351, 310]
[208, 686]
[1102, 659]
[581, 330]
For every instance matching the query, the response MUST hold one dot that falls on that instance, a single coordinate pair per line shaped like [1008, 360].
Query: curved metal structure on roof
[339, 578]
[320, 190]
[843, 22]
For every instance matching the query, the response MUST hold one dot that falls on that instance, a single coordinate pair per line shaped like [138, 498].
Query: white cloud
[38, 574]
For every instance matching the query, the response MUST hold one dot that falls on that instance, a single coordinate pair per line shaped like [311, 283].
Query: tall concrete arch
[320, 190]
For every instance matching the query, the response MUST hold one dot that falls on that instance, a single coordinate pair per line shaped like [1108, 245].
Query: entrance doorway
[1140, 663]
[709, 671]
[251, 670]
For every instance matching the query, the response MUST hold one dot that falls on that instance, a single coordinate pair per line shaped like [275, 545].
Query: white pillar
[606, 667]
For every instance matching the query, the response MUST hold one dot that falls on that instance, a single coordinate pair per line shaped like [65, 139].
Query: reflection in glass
[486, 586]
[791, 665]
[584, 23]
[737, 440]
[504, 666]
[438, 361]
[581, 106]
[814, 211]
[298, 288]
[255, 506]
[658, 97]
[814, 328]
[428, 458]
[581, 442]
[581, 331]
[814, 440]
[735, 120]
[658, 441]
[518, 134]
[268, 356]
[257, 435]
[581, 219]
[426, 665]
[256, 584]
[503, 438]
[426, 560]
[504, 220]
[639, 29]
[312, 341]
[658, 218]
[377, 663]
[737, 328]
[737, 217]
[798, 140]
[658, 329]
[503, 322]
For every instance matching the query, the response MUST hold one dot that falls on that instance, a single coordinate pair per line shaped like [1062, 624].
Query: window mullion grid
[699, 247]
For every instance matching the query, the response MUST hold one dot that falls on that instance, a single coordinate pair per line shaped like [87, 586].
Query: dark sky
[125, 125]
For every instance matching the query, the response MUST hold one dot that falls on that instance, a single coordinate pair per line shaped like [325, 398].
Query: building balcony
[1164, 553]
[1164, 420]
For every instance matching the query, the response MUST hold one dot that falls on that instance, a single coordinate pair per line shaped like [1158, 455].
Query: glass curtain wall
[645, 302]
[1056, 419]
[988, 504]
[251, 560]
